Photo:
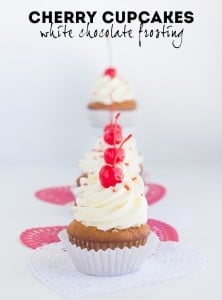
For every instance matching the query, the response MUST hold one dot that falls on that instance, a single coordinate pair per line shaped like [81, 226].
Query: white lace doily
[52, 266]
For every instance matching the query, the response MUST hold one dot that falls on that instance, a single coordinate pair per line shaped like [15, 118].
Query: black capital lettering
[32, 14]
[189, 18]
[178, 17]
[141, 17]
[58, 16]
[168, 17]
[68, 17]
[80, 17]
[131, 16]
[46, 16]
[156, 18]
[105, 19]
[91, 16]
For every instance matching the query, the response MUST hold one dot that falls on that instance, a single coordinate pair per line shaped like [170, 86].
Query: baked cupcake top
[111, 83]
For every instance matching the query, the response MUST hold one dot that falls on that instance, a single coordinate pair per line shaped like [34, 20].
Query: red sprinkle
[134, 178]
[126, 187]
[97, 150]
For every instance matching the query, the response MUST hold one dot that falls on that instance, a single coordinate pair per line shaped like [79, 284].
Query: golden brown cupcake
[119, 106]
[109, 234]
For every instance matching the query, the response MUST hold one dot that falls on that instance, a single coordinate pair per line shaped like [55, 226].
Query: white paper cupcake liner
[109, 262]
[99, 118]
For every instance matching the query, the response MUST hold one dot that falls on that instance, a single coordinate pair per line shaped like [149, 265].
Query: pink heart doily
[37, 237]
[63, 195]
[155, 193]
[40, 236]
[56, 195]
[164, 231]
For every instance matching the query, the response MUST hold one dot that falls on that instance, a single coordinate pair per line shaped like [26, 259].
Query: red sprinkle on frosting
[126, 187]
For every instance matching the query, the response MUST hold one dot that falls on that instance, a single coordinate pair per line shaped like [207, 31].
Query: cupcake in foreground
[100, 104]
[109, 234]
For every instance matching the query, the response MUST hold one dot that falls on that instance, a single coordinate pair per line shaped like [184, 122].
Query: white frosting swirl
[94, 160]
[118, 207]
[116, 86]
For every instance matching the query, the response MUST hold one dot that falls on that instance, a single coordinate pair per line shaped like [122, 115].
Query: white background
[44, 130]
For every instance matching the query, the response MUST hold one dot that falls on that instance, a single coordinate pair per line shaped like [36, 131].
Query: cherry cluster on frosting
[110, 174]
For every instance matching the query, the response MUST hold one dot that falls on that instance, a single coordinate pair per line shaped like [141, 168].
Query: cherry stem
[117, 117]
[125, 140]
[120, 146]
[114, 137]
[114, 133]
[112, 108]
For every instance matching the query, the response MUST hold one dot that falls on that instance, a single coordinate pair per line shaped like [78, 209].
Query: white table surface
[192, 205]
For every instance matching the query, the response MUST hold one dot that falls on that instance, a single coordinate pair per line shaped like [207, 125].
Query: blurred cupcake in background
[112, 93]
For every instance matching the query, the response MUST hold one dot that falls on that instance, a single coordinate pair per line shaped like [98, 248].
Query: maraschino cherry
[113, 133]
[111, 72]
[110, 127]
[115, 155]
[110, 175]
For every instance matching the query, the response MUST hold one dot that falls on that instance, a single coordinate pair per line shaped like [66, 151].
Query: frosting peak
[114, 85]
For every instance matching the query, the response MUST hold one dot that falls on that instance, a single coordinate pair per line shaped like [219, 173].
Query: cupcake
[111, 92]
[109, 235]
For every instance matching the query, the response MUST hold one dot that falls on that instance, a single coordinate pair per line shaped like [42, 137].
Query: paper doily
[40, 236]
[53, 267]
[155, 193]
[164, 231]
[56, 195]
[63, 195]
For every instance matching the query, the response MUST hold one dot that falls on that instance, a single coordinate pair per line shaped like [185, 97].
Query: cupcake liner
[99, 118]
[109, 262]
